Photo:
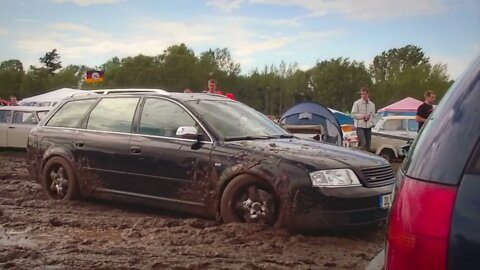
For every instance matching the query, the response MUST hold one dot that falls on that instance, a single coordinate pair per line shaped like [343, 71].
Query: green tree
[219, 65]
[51, 60]
[335, 83]
[35, 81]
[70, 77]
[179, 68]
[11, 76]
[406, 71]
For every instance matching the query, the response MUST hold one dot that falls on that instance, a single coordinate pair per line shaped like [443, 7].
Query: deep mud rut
[43, 234]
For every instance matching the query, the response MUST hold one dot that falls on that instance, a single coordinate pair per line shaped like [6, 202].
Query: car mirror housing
[187, 132]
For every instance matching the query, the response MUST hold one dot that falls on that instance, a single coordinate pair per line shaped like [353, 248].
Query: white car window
[20, 117]
[393, 125]
[5, 116]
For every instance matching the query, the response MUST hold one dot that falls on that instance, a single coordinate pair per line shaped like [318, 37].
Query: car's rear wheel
[58, 180]
[247, 199]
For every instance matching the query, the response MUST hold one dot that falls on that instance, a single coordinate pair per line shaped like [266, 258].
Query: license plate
[385, 201]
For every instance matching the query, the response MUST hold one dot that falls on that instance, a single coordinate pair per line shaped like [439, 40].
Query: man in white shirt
[363, 111]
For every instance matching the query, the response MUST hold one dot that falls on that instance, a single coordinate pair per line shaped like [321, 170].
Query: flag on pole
[94, 76]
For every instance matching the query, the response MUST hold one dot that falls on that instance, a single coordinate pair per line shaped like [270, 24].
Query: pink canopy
[407, 104]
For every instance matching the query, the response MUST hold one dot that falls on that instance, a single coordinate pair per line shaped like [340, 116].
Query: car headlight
[334, 178]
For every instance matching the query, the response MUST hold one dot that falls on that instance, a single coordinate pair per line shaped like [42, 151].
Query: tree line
[394, 74]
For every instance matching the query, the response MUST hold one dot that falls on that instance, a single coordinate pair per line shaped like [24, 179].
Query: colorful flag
[94, 76]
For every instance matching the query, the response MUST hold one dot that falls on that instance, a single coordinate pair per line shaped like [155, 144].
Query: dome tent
[311, 117]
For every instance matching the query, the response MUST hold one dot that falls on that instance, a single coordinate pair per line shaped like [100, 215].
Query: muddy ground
[37, 233]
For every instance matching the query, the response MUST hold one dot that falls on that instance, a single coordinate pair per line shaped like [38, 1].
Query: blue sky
[257, 32]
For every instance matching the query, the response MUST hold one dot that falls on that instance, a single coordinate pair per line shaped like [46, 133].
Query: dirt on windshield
[39, 233]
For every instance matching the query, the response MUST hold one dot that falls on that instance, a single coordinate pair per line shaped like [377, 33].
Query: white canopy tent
[51, 98]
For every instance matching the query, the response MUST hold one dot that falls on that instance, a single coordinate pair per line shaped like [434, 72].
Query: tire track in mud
[37, 233]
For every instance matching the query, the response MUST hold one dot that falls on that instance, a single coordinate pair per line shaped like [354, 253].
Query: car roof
[150, 92]
[401, 117]
[25, 108]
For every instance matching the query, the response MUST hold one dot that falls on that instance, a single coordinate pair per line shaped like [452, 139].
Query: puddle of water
[10, 237]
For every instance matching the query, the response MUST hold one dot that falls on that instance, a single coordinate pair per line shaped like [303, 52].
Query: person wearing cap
[363, 111]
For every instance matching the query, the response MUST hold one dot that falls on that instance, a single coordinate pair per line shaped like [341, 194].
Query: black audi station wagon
[206, 155]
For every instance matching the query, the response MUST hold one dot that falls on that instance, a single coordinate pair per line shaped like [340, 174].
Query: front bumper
[337, 208]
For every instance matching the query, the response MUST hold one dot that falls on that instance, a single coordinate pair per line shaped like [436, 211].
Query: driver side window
[163, 118]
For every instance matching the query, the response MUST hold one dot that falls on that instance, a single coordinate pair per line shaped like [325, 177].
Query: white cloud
[75, 41]
[87, 2]
[24, 21]
[355, 9]
[226, 5]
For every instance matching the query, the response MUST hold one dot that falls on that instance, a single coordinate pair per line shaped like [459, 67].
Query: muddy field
[37, 233]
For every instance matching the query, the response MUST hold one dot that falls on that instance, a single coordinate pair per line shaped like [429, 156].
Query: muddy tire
[58, 180]
[387, 154]
[247, 199]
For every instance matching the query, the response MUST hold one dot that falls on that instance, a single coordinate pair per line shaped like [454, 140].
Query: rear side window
[442, 150]
[5, 116]
[20, 117]
[113, 114]
[71, 113]
[163, 118]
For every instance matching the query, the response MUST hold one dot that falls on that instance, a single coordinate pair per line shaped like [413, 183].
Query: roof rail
[129, 91]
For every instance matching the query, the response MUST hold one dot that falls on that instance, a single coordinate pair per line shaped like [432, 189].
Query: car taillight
[419, 226]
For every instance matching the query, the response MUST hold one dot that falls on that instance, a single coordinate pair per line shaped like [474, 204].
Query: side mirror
[187, 132]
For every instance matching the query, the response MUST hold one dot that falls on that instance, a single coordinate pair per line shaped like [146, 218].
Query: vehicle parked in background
[208, 155]
[391, 133]
[434, 222]
[16, 123]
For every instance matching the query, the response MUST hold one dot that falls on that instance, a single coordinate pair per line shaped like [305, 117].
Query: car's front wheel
[58, 180]
[247, 199]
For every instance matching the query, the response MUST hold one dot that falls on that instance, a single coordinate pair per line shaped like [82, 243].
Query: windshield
[233, 120]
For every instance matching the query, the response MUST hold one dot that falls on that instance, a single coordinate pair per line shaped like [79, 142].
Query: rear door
[102, 145]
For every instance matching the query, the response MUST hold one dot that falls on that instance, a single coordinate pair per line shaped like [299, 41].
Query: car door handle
[136, 149]
[79, 143]
[11, 127]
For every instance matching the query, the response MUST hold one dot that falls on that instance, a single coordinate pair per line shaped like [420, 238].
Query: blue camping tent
[342, 118]
[314, 114]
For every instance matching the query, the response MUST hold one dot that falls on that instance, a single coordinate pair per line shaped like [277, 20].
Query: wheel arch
[57, 152]
[387, 147]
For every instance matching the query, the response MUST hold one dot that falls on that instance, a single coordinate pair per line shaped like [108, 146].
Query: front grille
[378, 176]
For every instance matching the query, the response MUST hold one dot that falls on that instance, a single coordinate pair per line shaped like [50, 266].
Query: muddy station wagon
[206, 155]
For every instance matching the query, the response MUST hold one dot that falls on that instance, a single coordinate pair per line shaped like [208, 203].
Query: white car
[16, 123]
[391, 133]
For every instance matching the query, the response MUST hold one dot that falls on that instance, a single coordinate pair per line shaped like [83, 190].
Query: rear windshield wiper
[240, 138]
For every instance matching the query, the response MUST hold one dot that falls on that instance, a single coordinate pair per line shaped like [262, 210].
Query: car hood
[310, 153]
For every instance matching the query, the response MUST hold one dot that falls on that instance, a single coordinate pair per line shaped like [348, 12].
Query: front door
[5, 116]
[169, 168]
[19, 129]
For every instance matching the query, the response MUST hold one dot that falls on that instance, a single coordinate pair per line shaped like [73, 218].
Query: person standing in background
[363, 111]
[424, 110]
[13, 101]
